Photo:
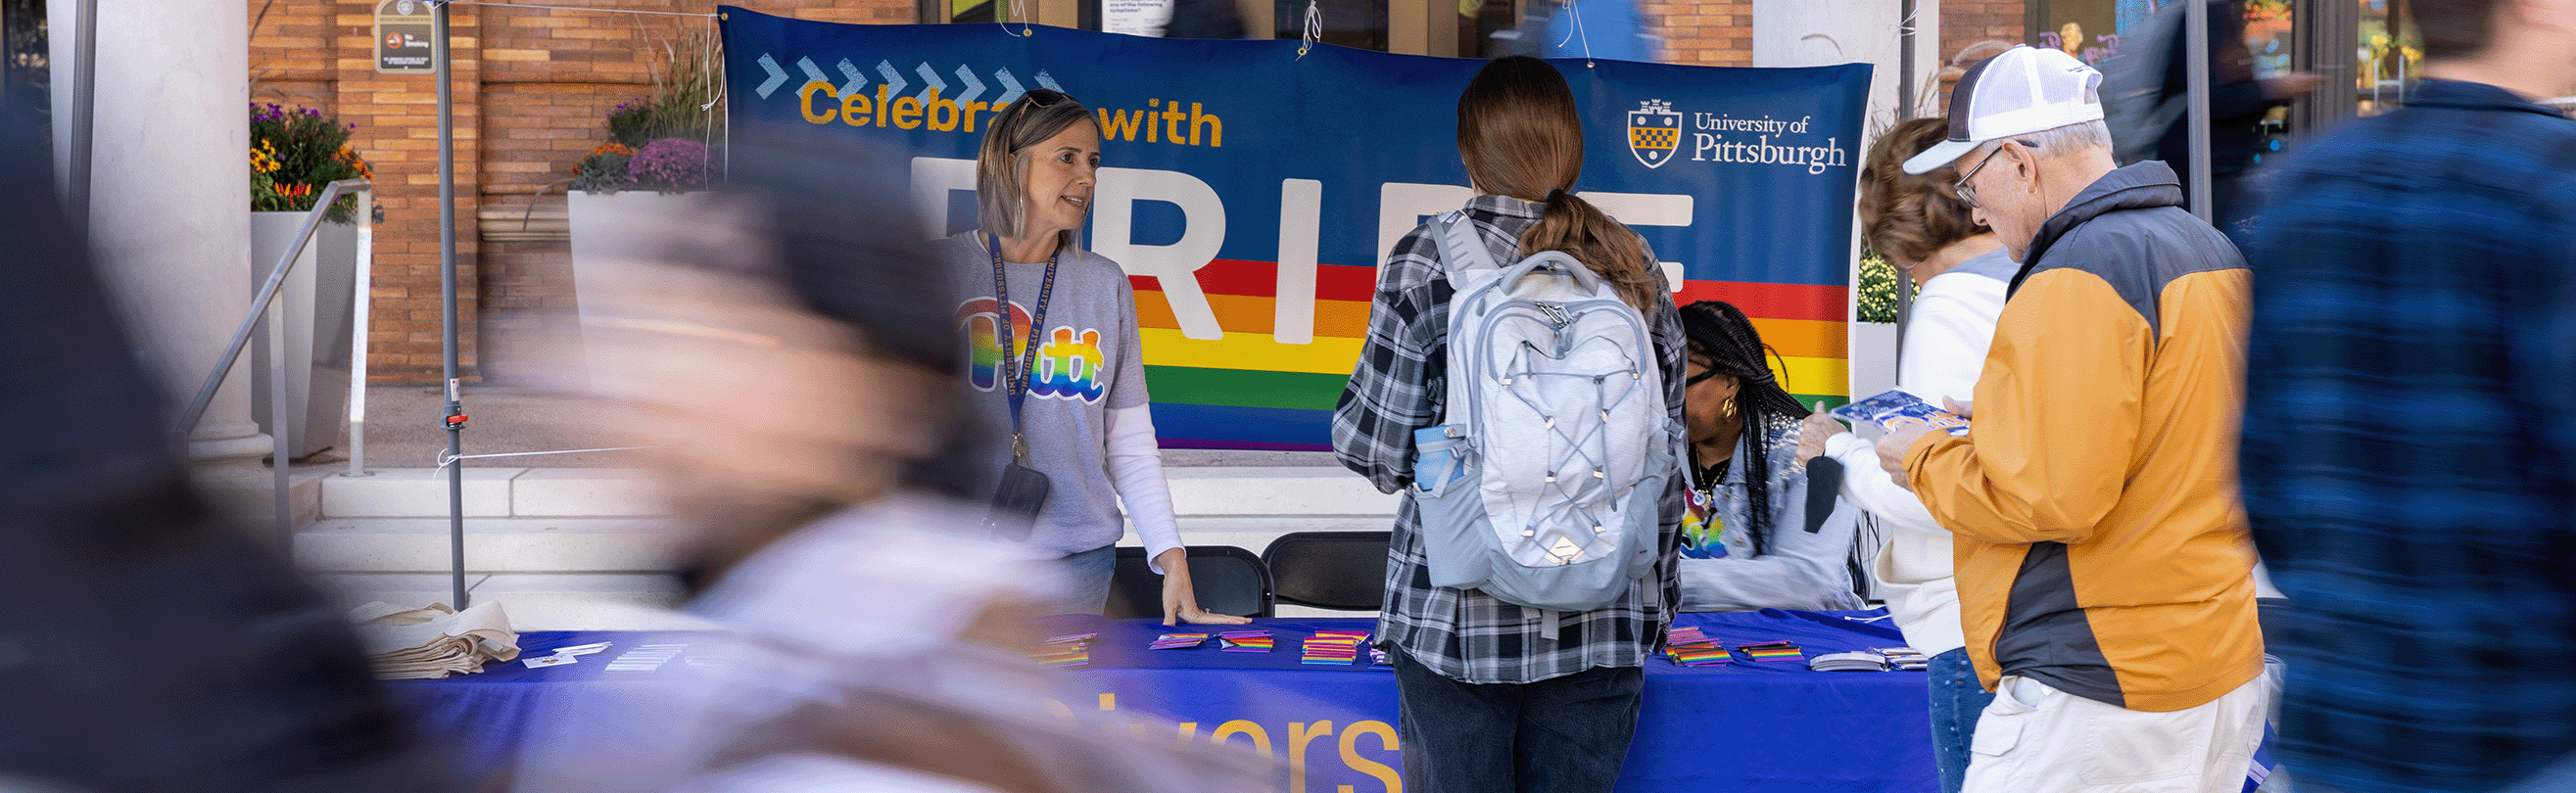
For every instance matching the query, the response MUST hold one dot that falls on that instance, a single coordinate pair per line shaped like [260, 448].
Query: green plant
[294, 152]
[1877, 288]
[687, 105]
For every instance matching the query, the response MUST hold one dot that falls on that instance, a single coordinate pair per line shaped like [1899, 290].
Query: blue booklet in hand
[1896, 410]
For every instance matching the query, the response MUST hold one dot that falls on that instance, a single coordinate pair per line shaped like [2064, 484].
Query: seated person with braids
[1745, 543]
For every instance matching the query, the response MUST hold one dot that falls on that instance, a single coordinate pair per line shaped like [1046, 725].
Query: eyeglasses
[1969, 194]
[1043, 97]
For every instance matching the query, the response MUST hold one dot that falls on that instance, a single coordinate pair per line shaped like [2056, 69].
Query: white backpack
[1541, 486]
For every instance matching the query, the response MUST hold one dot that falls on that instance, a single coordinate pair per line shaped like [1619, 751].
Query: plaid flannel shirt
[1398, 387]
[2409, 466]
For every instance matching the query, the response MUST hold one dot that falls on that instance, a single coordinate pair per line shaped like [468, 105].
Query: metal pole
[447, 303]
[1904, 111]
[363, 280]
[84, 120]
[1905, 60]
[2196, 47]
[274, 327]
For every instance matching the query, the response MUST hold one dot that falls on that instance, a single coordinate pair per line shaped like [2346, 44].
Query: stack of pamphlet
[1903, 658]
[1854, 661]
[433, 642]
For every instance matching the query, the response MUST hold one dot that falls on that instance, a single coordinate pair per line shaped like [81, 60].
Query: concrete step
[615, 545]
[533, 601]
[492, 545]
[599, 573]
[1216, 491]
[585, 548]
[493, 493]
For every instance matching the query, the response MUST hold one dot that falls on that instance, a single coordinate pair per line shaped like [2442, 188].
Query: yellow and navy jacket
[2100, 544]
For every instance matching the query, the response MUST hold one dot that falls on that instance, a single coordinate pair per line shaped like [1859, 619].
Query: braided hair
[1721, 334]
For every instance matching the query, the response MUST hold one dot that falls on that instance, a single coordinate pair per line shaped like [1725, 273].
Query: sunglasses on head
[1042, 97]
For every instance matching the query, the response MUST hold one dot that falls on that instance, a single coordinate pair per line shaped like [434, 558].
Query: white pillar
[170, 191]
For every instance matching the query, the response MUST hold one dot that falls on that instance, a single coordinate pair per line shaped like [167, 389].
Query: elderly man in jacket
[2104, 574]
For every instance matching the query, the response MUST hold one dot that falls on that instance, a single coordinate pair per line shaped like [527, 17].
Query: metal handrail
[264, 317]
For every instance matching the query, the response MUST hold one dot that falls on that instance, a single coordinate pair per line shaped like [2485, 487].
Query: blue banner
[1250, 188]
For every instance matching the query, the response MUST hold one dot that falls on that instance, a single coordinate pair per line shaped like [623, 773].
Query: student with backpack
[1522, 384]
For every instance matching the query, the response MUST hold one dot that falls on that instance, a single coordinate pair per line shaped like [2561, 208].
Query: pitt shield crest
[1654, 132]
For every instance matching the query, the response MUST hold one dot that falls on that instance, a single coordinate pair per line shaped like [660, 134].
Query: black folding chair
[1229, 580]
[1343, 570]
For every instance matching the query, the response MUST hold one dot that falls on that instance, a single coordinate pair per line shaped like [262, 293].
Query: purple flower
[671, 165]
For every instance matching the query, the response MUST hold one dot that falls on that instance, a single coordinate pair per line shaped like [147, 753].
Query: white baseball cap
[2023, 90]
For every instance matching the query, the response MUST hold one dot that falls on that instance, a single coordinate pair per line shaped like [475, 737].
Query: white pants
[2037, 739]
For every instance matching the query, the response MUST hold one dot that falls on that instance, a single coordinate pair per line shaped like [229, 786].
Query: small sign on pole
[403, 30]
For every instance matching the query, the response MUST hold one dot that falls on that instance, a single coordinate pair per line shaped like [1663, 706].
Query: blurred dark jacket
[146, 645]
[2408, 463]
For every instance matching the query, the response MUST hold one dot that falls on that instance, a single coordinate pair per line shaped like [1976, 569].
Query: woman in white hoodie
[1924, 229]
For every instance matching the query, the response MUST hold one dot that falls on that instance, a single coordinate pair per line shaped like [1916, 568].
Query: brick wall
[1974, 29]
[1709, 33]
[531, 88]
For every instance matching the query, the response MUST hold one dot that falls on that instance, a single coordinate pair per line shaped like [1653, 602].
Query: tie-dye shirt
[1823, 570]
[1089, 360]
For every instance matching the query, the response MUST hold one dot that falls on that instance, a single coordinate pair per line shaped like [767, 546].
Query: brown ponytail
[1521, 136]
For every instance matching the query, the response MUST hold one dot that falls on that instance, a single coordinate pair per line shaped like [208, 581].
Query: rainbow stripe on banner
[1249, 391]
[1244, 166]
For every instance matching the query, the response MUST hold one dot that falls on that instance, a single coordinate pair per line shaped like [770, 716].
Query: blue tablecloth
[1766, 726]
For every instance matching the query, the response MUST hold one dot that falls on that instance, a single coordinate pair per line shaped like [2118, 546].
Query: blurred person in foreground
[146, 644]
[1059, 359]
[2409, 467]
[1745, 543]
[2147, 90]
[2104, 575]
[793, 364]
[1926, 231]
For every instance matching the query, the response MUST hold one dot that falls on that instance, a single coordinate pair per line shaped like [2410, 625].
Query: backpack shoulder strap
[1460, 247]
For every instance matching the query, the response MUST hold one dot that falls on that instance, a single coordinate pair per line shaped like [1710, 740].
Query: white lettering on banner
[1176, 265]
[1816, 159]
[932, 179]
[1402, 205]
[1301, 222]
[1648, 209]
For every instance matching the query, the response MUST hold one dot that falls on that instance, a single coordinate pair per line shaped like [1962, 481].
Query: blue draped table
[1751, 726]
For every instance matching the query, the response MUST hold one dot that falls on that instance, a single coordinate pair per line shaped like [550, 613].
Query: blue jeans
[1565, 733]
[1957, 698]
[1089, 572]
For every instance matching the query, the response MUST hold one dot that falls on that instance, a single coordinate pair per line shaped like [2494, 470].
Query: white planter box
[318, 296]
[597, 222]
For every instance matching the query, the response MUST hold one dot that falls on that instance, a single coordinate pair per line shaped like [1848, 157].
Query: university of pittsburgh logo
[1654, 132]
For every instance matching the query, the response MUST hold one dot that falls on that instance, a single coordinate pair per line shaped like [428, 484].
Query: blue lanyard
[1017, 368]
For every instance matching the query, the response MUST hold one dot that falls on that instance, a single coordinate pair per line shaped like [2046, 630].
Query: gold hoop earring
[1727, 410]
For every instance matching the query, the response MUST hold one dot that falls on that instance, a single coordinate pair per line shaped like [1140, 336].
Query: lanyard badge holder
[1022, 490]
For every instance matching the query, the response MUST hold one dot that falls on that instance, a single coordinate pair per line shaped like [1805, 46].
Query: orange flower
[612, 147]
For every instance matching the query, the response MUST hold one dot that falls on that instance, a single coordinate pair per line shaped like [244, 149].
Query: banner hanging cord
[444, 460]
[1314, 29]
[1576, 6]
[569, 8]
[1020, 12]
[1572, 7]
